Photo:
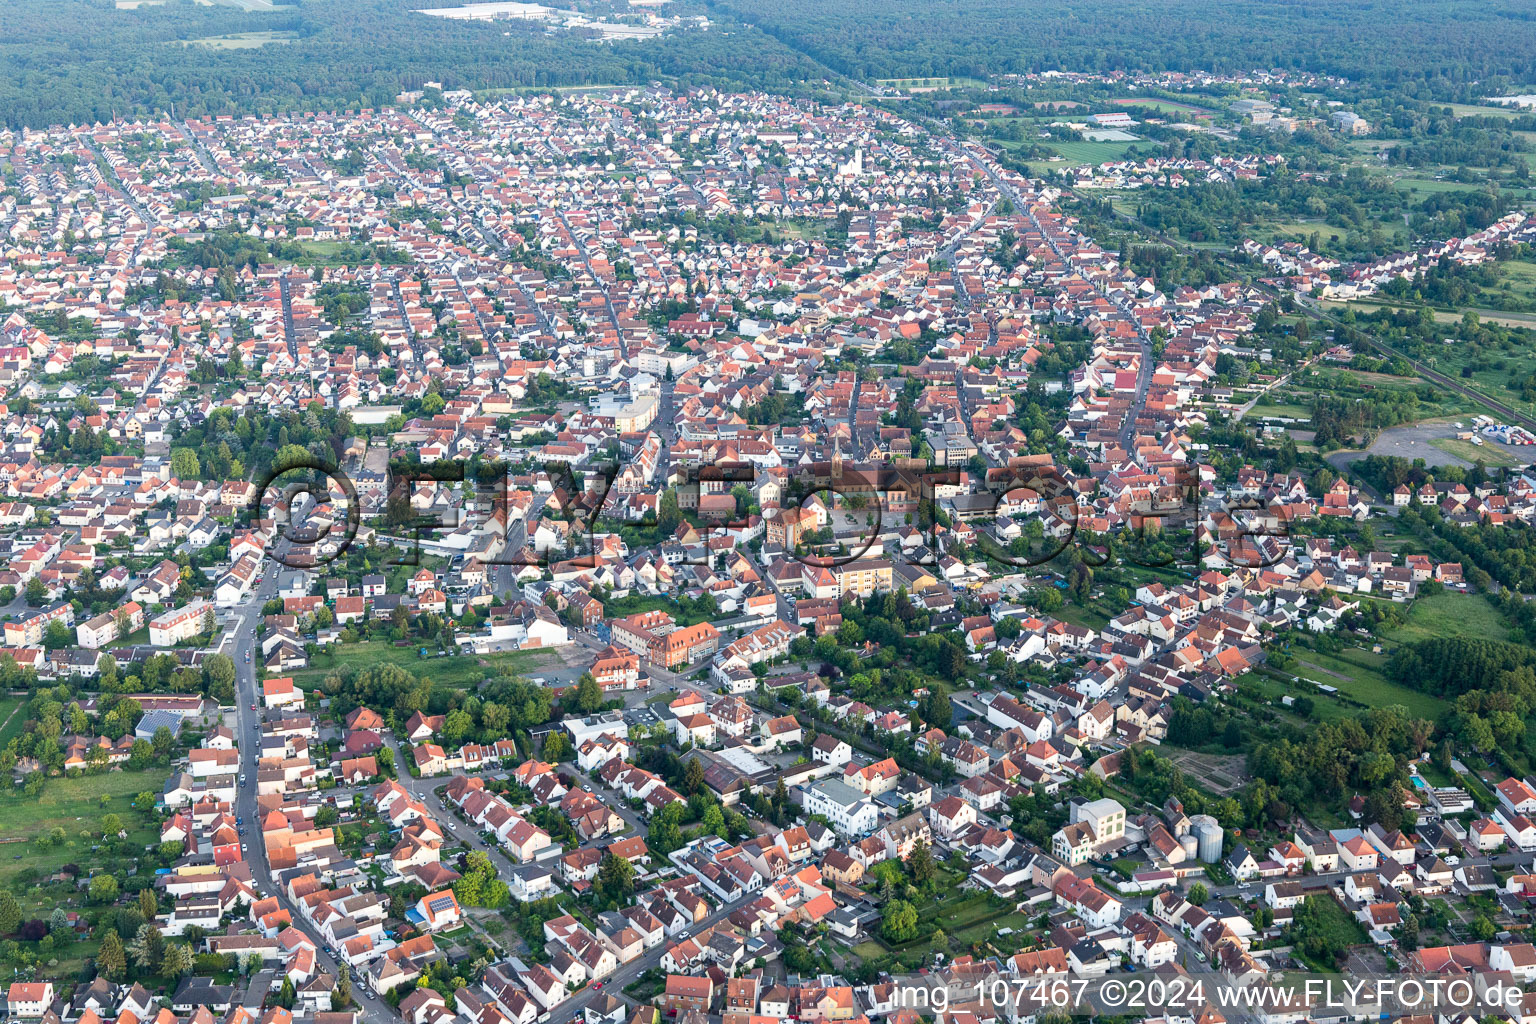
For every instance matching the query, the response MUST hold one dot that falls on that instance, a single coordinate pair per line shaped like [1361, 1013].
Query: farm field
[925, 84]
[1432, 186]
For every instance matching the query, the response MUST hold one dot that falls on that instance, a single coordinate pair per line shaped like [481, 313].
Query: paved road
[248, 692]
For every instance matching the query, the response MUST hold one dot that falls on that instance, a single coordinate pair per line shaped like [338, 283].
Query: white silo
[1208, 832]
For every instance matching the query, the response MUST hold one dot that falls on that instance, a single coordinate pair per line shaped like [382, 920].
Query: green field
[915, 84]
[74, 804]
[1477, 110]
[1353, 678]
[13, 718]
[243, 40]
[1162, 106]
[1450, 614]
[1077, 153]
[1429, 186]
[1287, 410]
[463, 671]
[1489, 454]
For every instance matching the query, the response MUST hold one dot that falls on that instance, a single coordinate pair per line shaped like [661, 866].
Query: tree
[103, 889]
[1198, 894]
[693, 777]
[58, 924]
[111, 961]
[341, 996]
[556, 747]
[163, 741]
[176, 960]
[219, 669]
[57, 635]
[148, 905]
[36, 591]
[713, 820]
[10, 913]
[899, 923]
[589, 695]
[147, 948]
[920, 864]
[184, 464]
[615, 880]
[669, 514]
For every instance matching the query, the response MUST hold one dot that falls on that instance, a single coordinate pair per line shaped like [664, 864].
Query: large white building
[849, 811]
[180, 624]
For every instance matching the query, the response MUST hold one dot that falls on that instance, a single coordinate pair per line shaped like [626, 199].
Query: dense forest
[77, 61]
[1440, 43]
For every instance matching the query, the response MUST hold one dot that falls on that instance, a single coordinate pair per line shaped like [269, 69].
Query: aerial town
[643, 554]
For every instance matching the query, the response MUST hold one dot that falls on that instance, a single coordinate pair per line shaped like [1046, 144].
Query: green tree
[36, 591]
[184, 464]
[920, 864]
[102, 889]
[341, 996]
[176, 960]
[111, 961]
[615, 880]
[669, 514]
[10, 913]
[219, 669]
[148, 905]
[1198, 894]
[589, 695]
[147, 948]
[693, 777]
[899, 922]
[556, 747]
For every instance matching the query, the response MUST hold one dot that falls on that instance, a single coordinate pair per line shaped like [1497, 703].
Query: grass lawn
[1273, 685]
[1365, 685]
[1336, 923]
[1090, 152]
[1450, 614]
[1479, 110]
[13, 718]
[1490, 454]
[1295, 412]
[1162, 106]
[464, 671]
[76, 805]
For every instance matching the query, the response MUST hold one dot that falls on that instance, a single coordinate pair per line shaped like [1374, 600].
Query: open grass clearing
[462, 671]
[1090, 152]
[1450, 614]
[1489, 453]
[1364, 684]
[243, 40]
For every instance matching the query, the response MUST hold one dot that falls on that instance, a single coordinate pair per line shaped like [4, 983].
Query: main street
[241, 645]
